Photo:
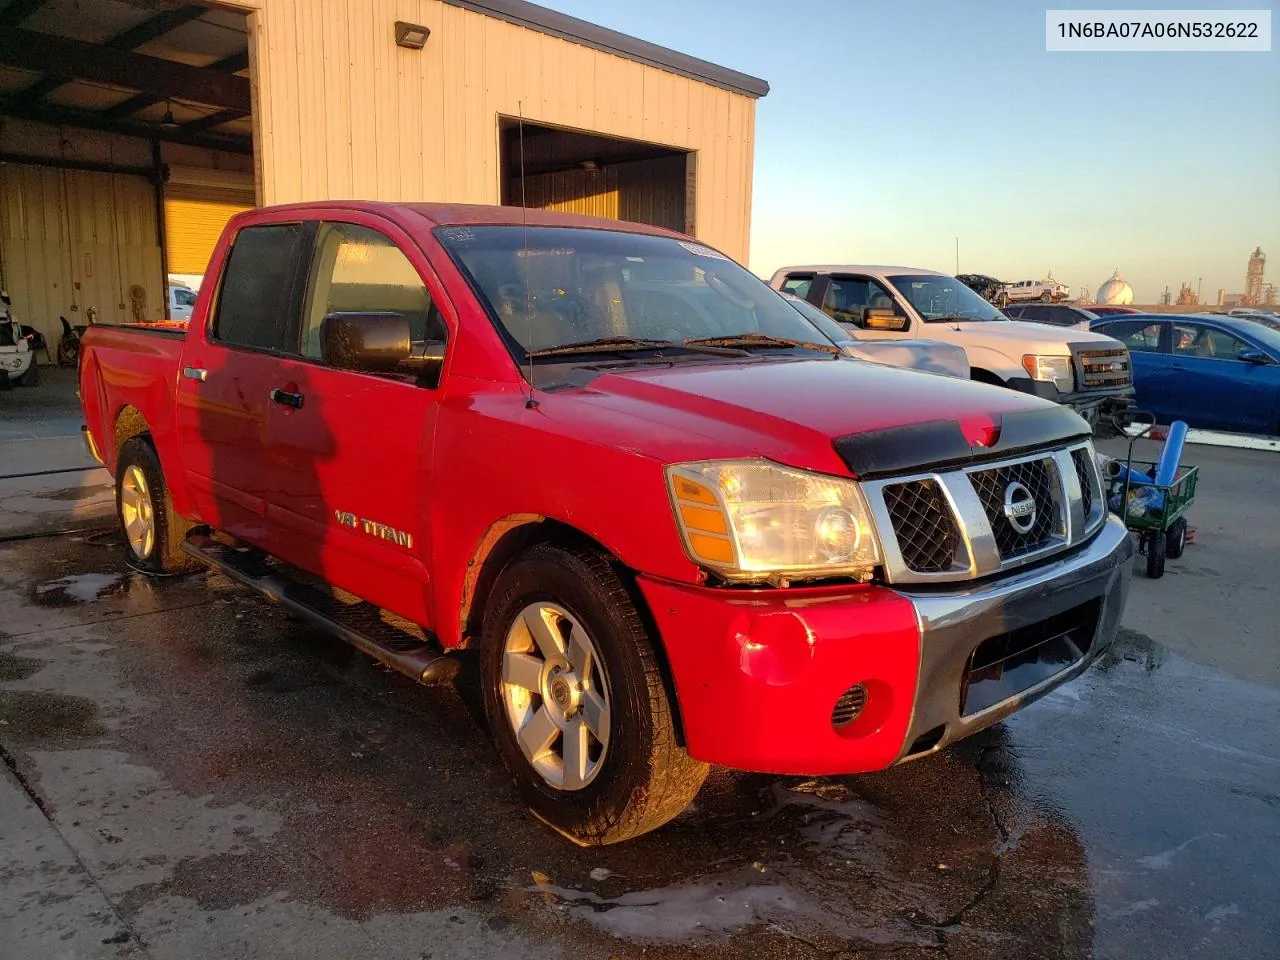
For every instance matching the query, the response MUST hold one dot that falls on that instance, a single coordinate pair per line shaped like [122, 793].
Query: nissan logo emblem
[1019, 507]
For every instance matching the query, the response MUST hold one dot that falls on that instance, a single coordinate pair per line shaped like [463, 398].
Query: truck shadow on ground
[391, 800]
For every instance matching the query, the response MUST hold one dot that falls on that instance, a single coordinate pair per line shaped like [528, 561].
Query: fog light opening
[849, 707]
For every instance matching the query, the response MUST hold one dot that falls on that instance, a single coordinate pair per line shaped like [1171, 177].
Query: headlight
[753, 520]
[1051, 369]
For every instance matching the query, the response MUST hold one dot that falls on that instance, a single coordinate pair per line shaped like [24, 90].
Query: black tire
[165, 555]
[1046, 297]
[32, 376]
[68, 352]
[1155, 555]
[646, 778]
[1176, 539]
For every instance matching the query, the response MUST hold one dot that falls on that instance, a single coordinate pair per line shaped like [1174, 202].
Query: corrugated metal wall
[342, 112]
[63, 228]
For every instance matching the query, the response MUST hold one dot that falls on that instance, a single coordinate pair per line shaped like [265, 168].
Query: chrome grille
[1104, 368]
[992, 486]
[922, 522]
[1085, 473]
[951, 525]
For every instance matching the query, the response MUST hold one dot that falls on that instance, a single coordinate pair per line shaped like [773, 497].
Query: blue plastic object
[1171, 455]
[1135, 477]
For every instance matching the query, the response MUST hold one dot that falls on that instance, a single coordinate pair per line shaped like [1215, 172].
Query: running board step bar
[359, 624]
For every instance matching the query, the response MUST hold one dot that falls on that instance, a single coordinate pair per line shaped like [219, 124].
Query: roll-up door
[197, 205]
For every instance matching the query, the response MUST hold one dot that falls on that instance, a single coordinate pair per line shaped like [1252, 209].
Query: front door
[848, 300]
[354, 449]
[1212, 387]
[228, 369]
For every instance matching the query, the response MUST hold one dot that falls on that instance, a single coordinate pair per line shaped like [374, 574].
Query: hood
[785, 410]
[1019, 333]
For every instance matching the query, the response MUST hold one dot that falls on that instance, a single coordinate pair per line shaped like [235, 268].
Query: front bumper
[1092, 405]
[758, 672]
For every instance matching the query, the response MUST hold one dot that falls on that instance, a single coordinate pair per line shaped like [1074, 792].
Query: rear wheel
[153, 532]
[1176, 539]
[1155, 555]
[576, 702]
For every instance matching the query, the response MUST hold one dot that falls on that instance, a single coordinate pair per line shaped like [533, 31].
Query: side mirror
[368, 342]
[874, 318]
[1251, 355]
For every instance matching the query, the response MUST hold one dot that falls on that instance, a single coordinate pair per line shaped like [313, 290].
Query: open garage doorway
[579, 172]
[125, 144]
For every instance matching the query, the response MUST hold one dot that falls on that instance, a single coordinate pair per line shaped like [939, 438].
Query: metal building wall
[340, 111]
[60, 228]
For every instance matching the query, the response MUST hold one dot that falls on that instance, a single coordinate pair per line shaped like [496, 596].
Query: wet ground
[190, 773]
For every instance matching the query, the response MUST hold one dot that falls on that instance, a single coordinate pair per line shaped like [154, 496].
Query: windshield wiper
[748, 340]
[604, 345]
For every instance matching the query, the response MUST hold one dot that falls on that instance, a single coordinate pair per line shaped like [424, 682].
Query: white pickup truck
[1087, 371]
[17, 361]
[1048, 290]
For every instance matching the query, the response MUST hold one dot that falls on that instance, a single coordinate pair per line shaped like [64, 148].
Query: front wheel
[153, 532]
[576, 702]
[32, 376]
[1046, 297]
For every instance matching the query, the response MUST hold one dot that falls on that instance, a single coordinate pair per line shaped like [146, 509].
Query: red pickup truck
[677, 526]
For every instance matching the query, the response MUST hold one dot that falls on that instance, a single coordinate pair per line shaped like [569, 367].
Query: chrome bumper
[954, 623]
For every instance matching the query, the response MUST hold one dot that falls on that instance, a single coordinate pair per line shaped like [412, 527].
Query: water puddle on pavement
[77, 588]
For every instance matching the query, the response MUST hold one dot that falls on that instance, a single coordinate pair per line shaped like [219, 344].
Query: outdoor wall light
[412, 36]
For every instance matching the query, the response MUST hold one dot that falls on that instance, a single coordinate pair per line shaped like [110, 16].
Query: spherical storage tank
[1115, 291]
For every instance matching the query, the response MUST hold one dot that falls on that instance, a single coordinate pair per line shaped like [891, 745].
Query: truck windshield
[550, 287]
[940, 299]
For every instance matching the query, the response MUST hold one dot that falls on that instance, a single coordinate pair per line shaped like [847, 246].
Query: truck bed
[126, 371]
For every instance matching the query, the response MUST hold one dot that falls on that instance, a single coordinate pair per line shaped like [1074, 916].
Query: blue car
[1214, 372]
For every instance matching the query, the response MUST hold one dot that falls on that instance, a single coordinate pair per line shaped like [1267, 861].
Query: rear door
[229, 367]
[1152, 366]
[354, 450]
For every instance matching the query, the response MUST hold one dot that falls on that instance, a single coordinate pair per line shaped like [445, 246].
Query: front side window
[1140, 336]
[256, 303]
[1197, 340]
[849, 298]
[356, 269]
[184, 298]
[550, 287]
[942, 299]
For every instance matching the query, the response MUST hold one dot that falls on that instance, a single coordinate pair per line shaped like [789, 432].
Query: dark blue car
[1218, 373]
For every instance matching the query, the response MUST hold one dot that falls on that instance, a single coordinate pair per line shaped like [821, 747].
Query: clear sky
[894, 126]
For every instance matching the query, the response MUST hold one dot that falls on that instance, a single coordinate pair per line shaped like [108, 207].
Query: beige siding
[342, 112]
[73, 239]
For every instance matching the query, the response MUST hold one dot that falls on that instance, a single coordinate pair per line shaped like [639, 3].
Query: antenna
[531, 403]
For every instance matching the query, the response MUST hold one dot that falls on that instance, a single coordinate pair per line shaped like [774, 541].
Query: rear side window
[1140, 336]
[257, 303]
[798, 284]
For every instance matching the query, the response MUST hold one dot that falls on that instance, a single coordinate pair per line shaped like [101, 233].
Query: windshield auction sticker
[1153, 31]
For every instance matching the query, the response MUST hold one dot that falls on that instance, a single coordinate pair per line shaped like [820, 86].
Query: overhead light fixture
[411, 36]
[167, 120]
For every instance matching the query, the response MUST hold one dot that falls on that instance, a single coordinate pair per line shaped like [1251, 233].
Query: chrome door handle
[199, 374]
